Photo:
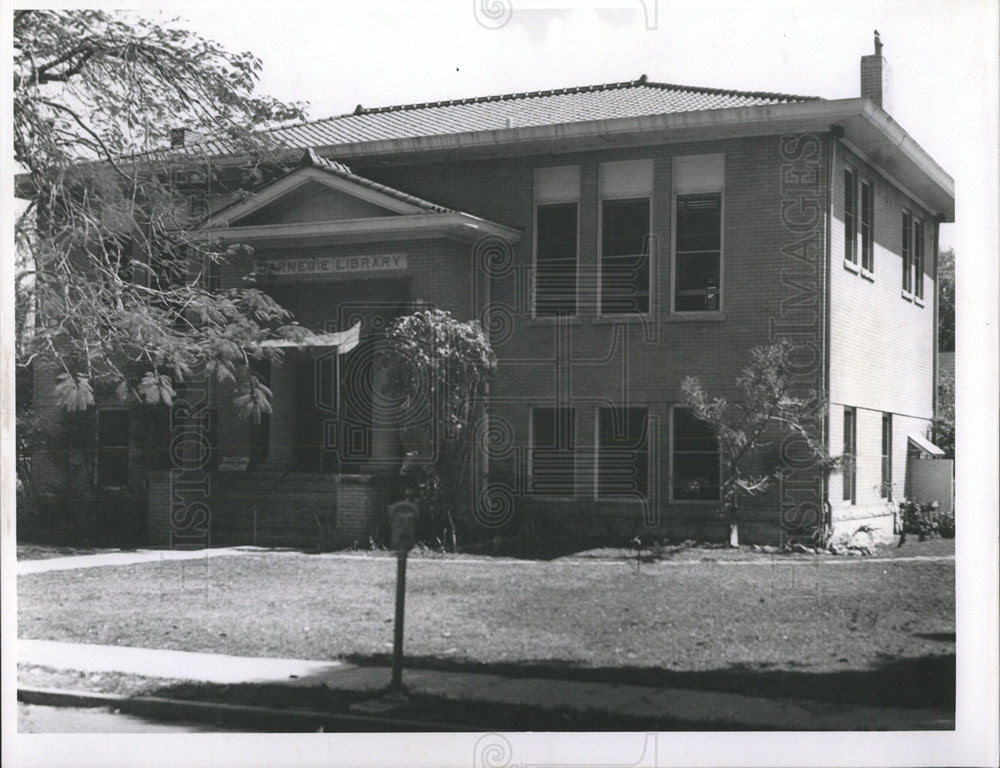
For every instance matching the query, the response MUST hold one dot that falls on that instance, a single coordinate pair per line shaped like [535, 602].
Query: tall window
[887, 456]
[553, 455]
[867, 227]
[112, 447]
[625, 188]
[557, 193]
[918, 259]
[907, 252]
[850, 451]
[850, 222]
[623, 452]
[698, 259]
[697, 263]
[695, 459]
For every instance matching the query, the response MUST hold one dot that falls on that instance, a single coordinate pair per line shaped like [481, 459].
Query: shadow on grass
[916, 682]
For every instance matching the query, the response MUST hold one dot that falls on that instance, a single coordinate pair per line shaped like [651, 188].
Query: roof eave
[458, 226]
[865, 124]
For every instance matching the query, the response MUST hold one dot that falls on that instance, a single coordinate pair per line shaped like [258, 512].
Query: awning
[345, 341]
[924, 444]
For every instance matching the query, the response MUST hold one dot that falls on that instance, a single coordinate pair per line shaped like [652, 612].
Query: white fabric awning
[345, 341]
[924, 444]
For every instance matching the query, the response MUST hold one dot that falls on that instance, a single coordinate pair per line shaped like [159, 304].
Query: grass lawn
[834, 621]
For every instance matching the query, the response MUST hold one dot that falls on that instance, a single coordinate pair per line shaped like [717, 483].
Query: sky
[337, 55]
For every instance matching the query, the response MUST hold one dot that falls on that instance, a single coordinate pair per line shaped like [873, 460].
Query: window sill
[851, 266]
[634, 317]
[907, 295]
[696, 503]
[918, 301]
[870, 276]
[696, 317]
[552, 320]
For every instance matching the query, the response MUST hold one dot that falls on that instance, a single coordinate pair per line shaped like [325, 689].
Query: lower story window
[695, 457]
[850, 453]
[553, 454]
[887, 456]
[112, 447]
[622, 452]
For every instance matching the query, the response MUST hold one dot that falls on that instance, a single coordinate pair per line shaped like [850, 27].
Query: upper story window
[913, 256]
[557, 196]
[625, 190]
[867, 227]
[918, 259]
[907, 252]
[850, 222]
[698, 246]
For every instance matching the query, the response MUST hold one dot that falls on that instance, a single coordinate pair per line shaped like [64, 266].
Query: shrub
[926, 520]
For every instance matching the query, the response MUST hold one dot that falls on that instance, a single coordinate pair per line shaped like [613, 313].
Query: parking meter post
[397, 645]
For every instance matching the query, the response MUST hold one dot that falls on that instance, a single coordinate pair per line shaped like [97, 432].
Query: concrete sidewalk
[645, 706]
[121, 558]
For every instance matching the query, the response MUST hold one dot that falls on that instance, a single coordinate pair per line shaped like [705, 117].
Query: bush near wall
[926, 520]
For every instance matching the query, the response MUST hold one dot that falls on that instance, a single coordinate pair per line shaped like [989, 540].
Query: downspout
[836, 133]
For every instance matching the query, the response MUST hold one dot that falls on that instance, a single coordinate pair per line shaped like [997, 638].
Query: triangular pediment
[319, 191]
[313, 201]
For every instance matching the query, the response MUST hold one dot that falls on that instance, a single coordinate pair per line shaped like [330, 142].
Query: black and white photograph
[501, 383]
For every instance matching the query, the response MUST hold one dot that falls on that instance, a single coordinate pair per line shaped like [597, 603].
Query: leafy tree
[766, 411]
[439, 379]
[946, 300]
[944, 426]
[114, 294]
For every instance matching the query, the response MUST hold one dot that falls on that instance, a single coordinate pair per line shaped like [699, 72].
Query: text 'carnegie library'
[334, 264]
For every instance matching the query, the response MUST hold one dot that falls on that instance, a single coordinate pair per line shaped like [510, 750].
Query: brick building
[612, 239]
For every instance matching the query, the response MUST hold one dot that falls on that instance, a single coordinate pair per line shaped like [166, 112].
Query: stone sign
[334, 266]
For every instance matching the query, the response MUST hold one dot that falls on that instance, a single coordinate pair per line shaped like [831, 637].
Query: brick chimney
[876, 77]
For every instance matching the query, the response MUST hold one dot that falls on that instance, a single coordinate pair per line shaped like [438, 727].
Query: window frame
[906, 253]
[917, 260]
[570, 450]
[100, 449]
[646, 252]
[886, 485]
[674, 253]
[538, 201]
[850, 442]
[851, 226]
[866, 228]
[638, 494]
[672, 468]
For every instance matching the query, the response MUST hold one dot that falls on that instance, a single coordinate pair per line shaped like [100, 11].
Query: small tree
[944, 426]
[439, 377]
[767, 411]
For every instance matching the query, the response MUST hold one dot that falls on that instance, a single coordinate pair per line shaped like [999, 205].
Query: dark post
[397, 642]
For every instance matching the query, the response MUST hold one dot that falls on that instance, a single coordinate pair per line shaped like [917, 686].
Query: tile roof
[310, 158]
[634, 98]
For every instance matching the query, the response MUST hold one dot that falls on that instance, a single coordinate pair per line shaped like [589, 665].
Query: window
[887, 456]
[918, 259]
[697, 263]
[622, 452]
[698, 254]
[553, 456]
[850, 451]
[695, 459]
[112, 447]
[625, 188]
[557, 192]
[867, 227]
[850, 224]
[907, 252]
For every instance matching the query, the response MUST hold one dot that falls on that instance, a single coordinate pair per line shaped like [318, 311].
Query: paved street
[36, 718]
